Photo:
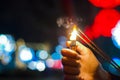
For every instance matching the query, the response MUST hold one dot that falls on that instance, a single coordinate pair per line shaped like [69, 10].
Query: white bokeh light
[40, 66]
[25, 54]
[116, 35]
[7, 43]
[3, 39]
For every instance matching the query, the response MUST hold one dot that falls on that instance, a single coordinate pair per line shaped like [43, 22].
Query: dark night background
[35, 21]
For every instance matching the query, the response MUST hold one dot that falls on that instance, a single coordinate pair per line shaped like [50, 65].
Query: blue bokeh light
[58, 49]
[32, 65]
[56, 56]
[62, 41]
[42, 54]
[113, 69]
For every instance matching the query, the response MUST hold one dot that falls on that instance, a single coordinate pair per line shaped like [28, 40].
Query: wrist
[101, 74]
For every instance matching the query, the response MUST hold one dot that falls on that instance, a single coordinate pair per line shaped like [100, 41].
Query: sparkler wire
[98, 50]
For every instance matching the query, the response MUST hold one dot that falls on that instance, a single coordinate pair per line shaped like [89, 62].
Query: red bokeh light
[105, 3]
[57, 64]
[104, 21]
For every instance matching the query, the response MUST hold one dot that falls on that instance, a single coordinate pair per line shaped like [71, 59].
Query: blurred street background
[31, 38]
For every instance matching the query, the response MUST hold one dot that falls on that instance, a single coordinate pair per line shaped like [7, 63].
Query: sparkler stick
[98, 50]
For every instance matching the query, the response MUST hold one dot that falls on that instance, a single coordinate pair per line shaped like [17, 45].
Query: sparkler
[93, 46]
[74, 35]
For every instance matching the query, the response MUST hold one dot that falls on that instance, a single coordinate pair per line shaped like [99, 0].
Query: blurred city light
[62, 41]
[116, 35]
[103, 23]
[42, 54]
[117, 60]
[105, 3]
[26, 54]
[32, 65]
[40, 66]
[3, 41]
[57, 64]
[7, 44]
[6, 59]
[114, 70]
[7, 47]
[56, 56]
[50, 63]
[58, 49]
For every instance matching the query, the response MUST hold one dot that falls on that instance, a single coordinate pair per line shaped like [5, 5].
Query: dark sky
[35, 20]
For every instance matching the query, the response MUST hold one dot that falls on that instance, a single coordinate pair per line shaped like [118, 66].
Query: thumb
[81, 49]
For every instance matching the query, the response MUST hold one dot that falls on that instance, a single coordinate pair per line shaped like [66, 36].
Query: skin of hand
[82, 64]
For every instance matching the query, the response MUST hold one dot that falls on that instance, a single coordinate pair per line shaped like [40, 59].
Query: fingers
[70, 62]
[70, 54]
[71, 70]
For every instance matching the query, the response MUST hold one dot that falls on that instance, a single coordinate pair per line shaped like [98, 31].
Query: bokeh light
[112, 69]
[7, 48]
[40, 66]
[26, 54]
[6, 59]
[50, 63]
[57, 64]
[32, 65]
[62, 41]
[7, 44]
[58, 49]
[56, 56]
[105, 3]
[116, 35]
[103, 23]
[42, 54]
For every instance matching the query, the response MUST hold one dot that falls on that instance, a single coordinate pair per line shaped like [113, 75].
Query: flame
[74, 33]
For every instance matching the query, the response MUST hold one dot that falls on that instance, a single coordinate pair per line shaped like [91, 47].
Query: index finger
[70, 53]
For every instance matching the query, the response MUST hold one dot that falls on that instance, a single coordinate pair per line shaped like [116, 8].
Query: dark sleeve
[114, 77]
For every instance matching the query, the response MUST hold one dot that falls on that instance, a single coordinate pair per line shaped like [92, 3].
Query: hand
[82, 64]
